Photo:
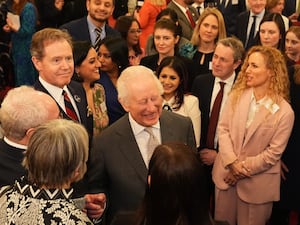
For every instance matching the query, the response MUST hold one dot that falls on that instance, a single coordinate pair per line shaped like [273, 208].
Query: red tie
[214, 117]
[69, 107]
[188, 12]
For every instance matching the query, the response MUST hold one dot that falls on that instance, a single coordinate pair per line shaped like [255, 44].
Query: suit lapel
[181, 14]
[131, 150]
[82, 109]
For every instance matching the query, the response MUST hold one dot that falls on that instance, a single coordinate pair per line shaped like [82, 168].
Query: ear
[29, 132]
[177, 39]
[237, 63]
[124, 104]
[37, 63]
[77, 70]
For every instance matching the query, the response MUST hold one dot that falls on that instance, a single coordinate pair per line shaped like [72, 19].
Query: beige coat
[260, 146]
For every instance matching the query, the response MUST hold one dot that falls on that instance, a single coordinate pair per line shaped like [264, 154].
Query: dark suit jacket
[187, 29]
[230, 13]
[79, 30]
[289, 7]
[242, 26]
[116, 166]
[77, 90]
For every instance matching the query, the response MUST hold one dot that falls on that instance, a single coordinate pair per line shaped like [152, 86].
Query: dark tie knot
[222, 84]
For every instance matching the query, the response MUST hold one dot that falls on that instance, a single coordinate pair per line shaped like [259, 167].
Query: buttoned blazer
[116, 166]
[202, 88]
[230, 13]
[79, 30]
[260, 147]
[187, 29]
[79, 97]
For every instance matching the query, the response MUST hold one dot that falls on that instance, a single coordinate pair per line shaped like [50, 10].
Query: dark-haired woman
[87, 71]
[113, 57]
[172, 73]
[130, 31]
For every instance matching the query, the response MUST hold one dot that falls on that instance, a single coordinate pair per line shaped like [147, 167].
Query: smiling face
[257, 73]
[134, 34]
[165, 41]
[209, 29]
[56, 67]
[170, 81]
[100, 10]
[278, 7]
[144, 101]
[269, 34]
[89, 68]
[257, 6]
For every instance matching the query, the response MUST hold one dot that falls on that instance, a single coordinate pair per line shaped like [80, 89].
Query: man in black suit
[85, 28]
[245, 20]
[120, 155]
[22, 110]
[52, 56]
[227, 58]
[230, 10]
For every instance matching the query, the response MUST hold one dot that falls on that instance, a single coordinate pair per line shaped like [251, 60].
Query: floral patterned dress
[24, 203]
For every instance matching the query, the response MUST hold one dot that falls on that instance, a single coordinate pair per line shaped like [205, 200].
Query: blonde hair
[279, 83]
[57, 150]
[196, 39]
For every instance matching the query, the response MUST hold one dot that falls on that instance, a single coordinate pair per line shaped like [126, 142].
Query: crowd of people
[178, 112]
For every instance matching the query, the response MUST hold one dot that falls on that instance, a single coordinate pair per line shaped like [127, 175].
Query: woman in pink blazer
[253, 132]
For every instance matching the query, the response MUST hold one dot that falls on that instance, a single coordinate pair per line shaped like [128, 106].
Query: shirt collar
[14, 144]
[229, 80]
[137, 128]
[54, 91]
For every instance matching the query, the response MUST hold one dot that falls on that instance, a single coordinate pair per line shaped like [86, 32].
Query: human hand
[230, 179]
[6, 28]
[208, 156]
[95, 205]
[11, 25]
[284, 170]
[239, 170]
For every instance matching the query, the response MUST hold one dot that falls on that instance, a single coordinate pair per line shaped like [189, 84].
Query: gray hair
[236, 45]
[56, 150]
[129, 75]
[20, 110]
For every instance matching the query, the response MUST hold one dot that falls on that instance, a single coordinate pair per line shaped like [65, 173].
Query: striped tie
[98, 39]
[69, 107]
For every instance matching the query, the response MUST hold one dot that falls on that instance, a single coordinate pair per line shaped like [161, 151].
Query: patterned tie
[214, 117]
[152, 143]
[250, 41]
[69, 107]
[188, 13]
[98, 39]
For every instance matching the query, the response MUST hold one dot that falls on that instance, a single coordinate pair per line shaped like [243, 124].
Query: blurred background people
[56, 156]
[209, 29]
[247, 168]
[277, 6]
[22, 110]
[292, 45]
[87, 71]
[272, 32]
[173, 75]
[167, 14]
[176, 191]
[130, 31]
[147, 17]
[113, 57]
[21, 36]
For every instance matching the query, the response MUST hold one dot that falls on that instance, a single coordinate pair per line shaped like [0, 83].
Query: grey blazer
[116, 166]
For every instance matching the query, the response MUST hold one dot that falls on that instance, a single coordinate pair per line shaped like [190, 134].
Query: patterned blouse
[23, 203]
[100, 118]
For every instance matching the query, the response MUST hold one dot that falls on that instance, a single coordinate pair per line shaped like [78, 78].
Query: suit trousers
[229, 207]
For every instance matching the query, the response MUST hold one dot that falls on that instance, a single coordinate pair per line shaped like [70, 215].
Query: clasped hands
[237, 171]
[95, 205]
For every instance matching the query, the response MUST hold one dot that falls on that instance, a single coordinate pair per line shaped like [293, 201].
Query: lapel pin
[77, 98]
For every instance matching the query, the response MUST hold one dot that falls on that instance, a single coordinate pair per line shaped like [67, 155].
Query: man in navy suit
[52, 56]
[119, 159]
[245, 19]
[227, 58]
[85, 28]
